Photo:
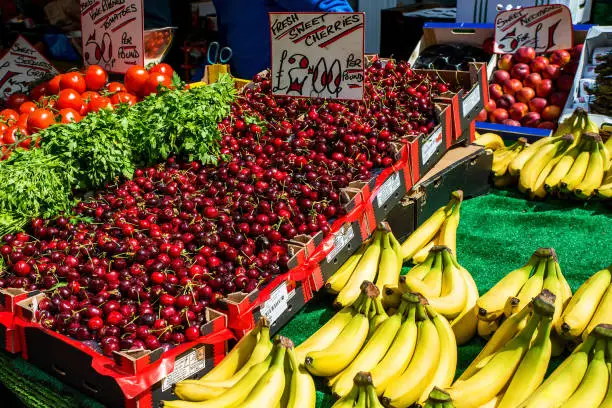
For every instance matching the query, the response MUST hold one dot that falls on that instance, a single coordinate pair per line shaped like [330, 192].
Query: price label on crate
[341, 239]
[318, 54]
[21, 67]
[431, 145]
[387, 189]
[185, 367]
[471, 100]
[274, 307]
[112, 33]
[543, 28]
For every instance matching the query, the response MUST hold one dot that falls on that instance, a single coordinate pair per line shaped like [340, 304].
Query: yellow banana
[594, 173]
[561, 169]
[552, 284]
[516, 165]
[566, 290]
[464, 325]
[578, 169]
[583, 304]
[349, 400]
[406, 389]
[447, 363]
[303, 393]
[486, 329]
[231, 397]
[422, 253]
[607, 402]
[390, 265]
[592, 390]
[236, 358]
[371, 354]
[505, 180]
[260, 353]
[605, 192]
[490, 141]
[503, 157]
[533, 286]
[195, 390]
[431, 284]
[325, 336]
[454, 290]
[448, 232]
[538, 161]
[537, 190]
[364, 271]
[269, 389]
[426, 231]
[400, 353]
[338, 355]
[493, 377]
[532, 369]
[506, 331]
[603, 312]
[494, 300]
[562, 383]
[338, 280]
[419, 271]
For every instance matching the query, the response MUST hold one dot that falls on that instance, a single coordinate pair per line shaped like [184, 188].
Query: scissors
[217, 58]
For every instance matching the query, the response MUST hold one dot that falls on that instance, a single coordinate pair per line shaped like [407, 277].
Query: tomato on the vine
[123, 97]
[23, 120]
[25, 143]
[135, 79]
[39, 91]
[3, 127]
[162, 68]
[154, 81]
[40, 119]
[69, 98]
[73, 80]
[15, 100]
[47, 102]
[89, 95]
[13, 133]
[69, 115]
[95, 77]
[115, 87]
[96, 104]
[53, 87]
[82, 109]
[9, 115]
[27, 107]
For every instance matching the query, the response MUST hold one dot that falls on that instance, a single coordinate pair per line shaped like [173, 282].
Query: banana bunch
[490, 141]
[605, 190]
[502, 159]
[377, 260]
[271, 377]
[583, 380]
[590, 306]
[439, 229]
[438, 398]
[513, 363]
[515, 290]
[361, 395]
[338, 343]
[449, 288]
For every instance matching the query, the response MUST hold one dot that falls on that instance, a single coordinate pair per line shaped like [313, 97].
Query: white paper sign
[544, 28]
[112, 33]
[318, 54]
[274, 307]
[21, 67]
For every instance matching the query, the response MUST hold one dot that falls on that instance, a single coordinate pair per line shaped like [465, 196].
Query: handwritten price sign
[21, 67]
[112, 33]
[318, 55]
[544, 28]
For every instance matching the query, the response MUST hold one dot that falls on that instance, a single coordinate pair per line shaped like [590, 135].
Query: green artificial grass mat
[497, 233]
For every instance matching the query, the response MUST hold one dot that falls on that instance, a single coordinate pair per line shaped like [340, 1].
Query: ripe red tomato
[95, 77]
[25, 143]
[13, 133]
[69, 115]
[54, 85]
[162, 68]
[39, 91]
[23, 120]
[27, 107]
[152, 84]
[89, 95]
[83, 109]
[73, 80]
[69, 98]
[16, 100]
[115, 87]
[9, 115]
[40, 119]
[47, 102]
[135, 79]
[3, 127]
[123, 97]
[102, 102]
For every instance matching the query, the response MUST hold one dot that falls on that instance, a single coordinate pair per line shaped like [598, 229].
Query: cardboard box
[484, 11]
[596, 37]
[132, 379]
[462, 168]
